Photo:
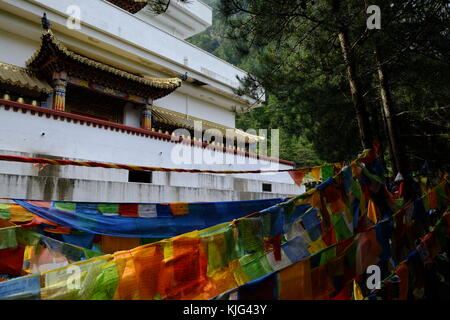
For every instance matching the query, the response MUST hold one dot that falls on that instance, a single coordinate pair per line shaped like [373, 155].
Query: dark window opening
[140, 176]
[267, 187]
[94, 104]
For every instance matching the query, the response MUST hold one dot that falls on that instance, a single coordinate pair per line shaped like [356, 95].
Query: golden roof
[42, 58]
[185, 121]
[23, 78]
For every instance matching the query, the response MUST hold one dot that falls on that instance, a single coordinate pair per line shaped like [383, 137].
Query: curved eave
[19, 77]
[164, 85]
[185, 121]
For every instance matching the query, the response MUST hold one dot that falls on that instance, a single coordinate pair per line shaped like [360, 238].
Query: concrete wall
[196, 107]
[16, 50]
[52, 188]
[182, 20]
[39, 135]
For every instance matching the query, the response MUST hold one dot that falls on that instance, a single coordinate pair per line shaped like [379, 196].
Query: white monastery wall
[23, 132]
[195, 107]
[53, 188]
[16, 50]
[117, 37]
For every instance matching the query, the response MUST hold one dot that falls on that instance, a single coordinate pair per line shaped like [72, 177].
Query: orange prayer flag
[37, 221]
[111, 244]
[127, 286]
[188, 270]
[220, 281]
[298, 175]
[338, 206]
[147, 262]
[316, 172]
[58, 230]
[179, 209]
[295, 282]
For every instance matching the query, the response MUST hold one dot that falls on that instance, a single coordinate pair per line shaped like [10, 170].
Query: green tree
[294, 50]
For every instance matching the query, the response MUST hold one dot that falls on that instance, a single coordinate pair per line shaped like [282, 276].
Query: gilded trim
[168, 83]
[23, 78]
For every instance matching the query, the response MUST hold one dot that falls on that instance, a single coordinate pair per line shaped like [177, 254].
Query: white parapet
[182, 20]
[44, 134]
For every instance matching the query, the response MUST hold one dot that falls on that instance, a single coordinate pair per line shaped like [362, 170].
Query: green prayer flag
[88, 254]
[232, 249]
[340, 227]
[217, 256]
[107, 208]
[289, 207]
[28, 237]
[5, 212]
[67, 206]
[267, 223]
[327, 172]
[327, 255]
[250, 234]
[398, 204]
[356, 191]
[255, 265]
[106, 284]
[8, 238]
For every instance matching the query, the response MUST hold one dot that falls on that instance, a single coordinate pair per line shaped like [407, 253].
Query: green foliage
[291, 49]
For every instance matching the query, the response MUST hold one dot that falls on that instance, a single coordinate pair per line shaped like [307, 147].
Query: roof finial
[46, 25]
[183, 77]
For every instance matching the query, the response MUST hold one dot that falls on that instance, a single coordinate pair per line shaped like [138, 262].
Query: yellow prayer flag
[357, 294]
[315, 172]
[372, 211]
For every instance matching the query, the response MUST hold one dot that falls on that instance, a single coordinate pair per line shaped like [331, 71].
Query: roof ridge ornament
[183, 77]
[46, 25]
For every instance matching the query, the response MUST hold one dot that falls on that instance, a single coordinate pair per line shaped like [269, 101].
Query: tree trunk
[379, 129]
[357, 98]
[391, 152]
[388, 112]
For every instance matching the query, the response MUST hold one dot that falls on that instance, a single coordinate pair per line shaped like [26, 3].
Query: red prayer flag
[298, 175]
[11, 261]
[128, 210]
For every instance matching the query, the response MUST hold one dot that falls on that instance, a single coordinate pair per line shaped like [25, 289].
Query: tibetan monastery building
[110, 81]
